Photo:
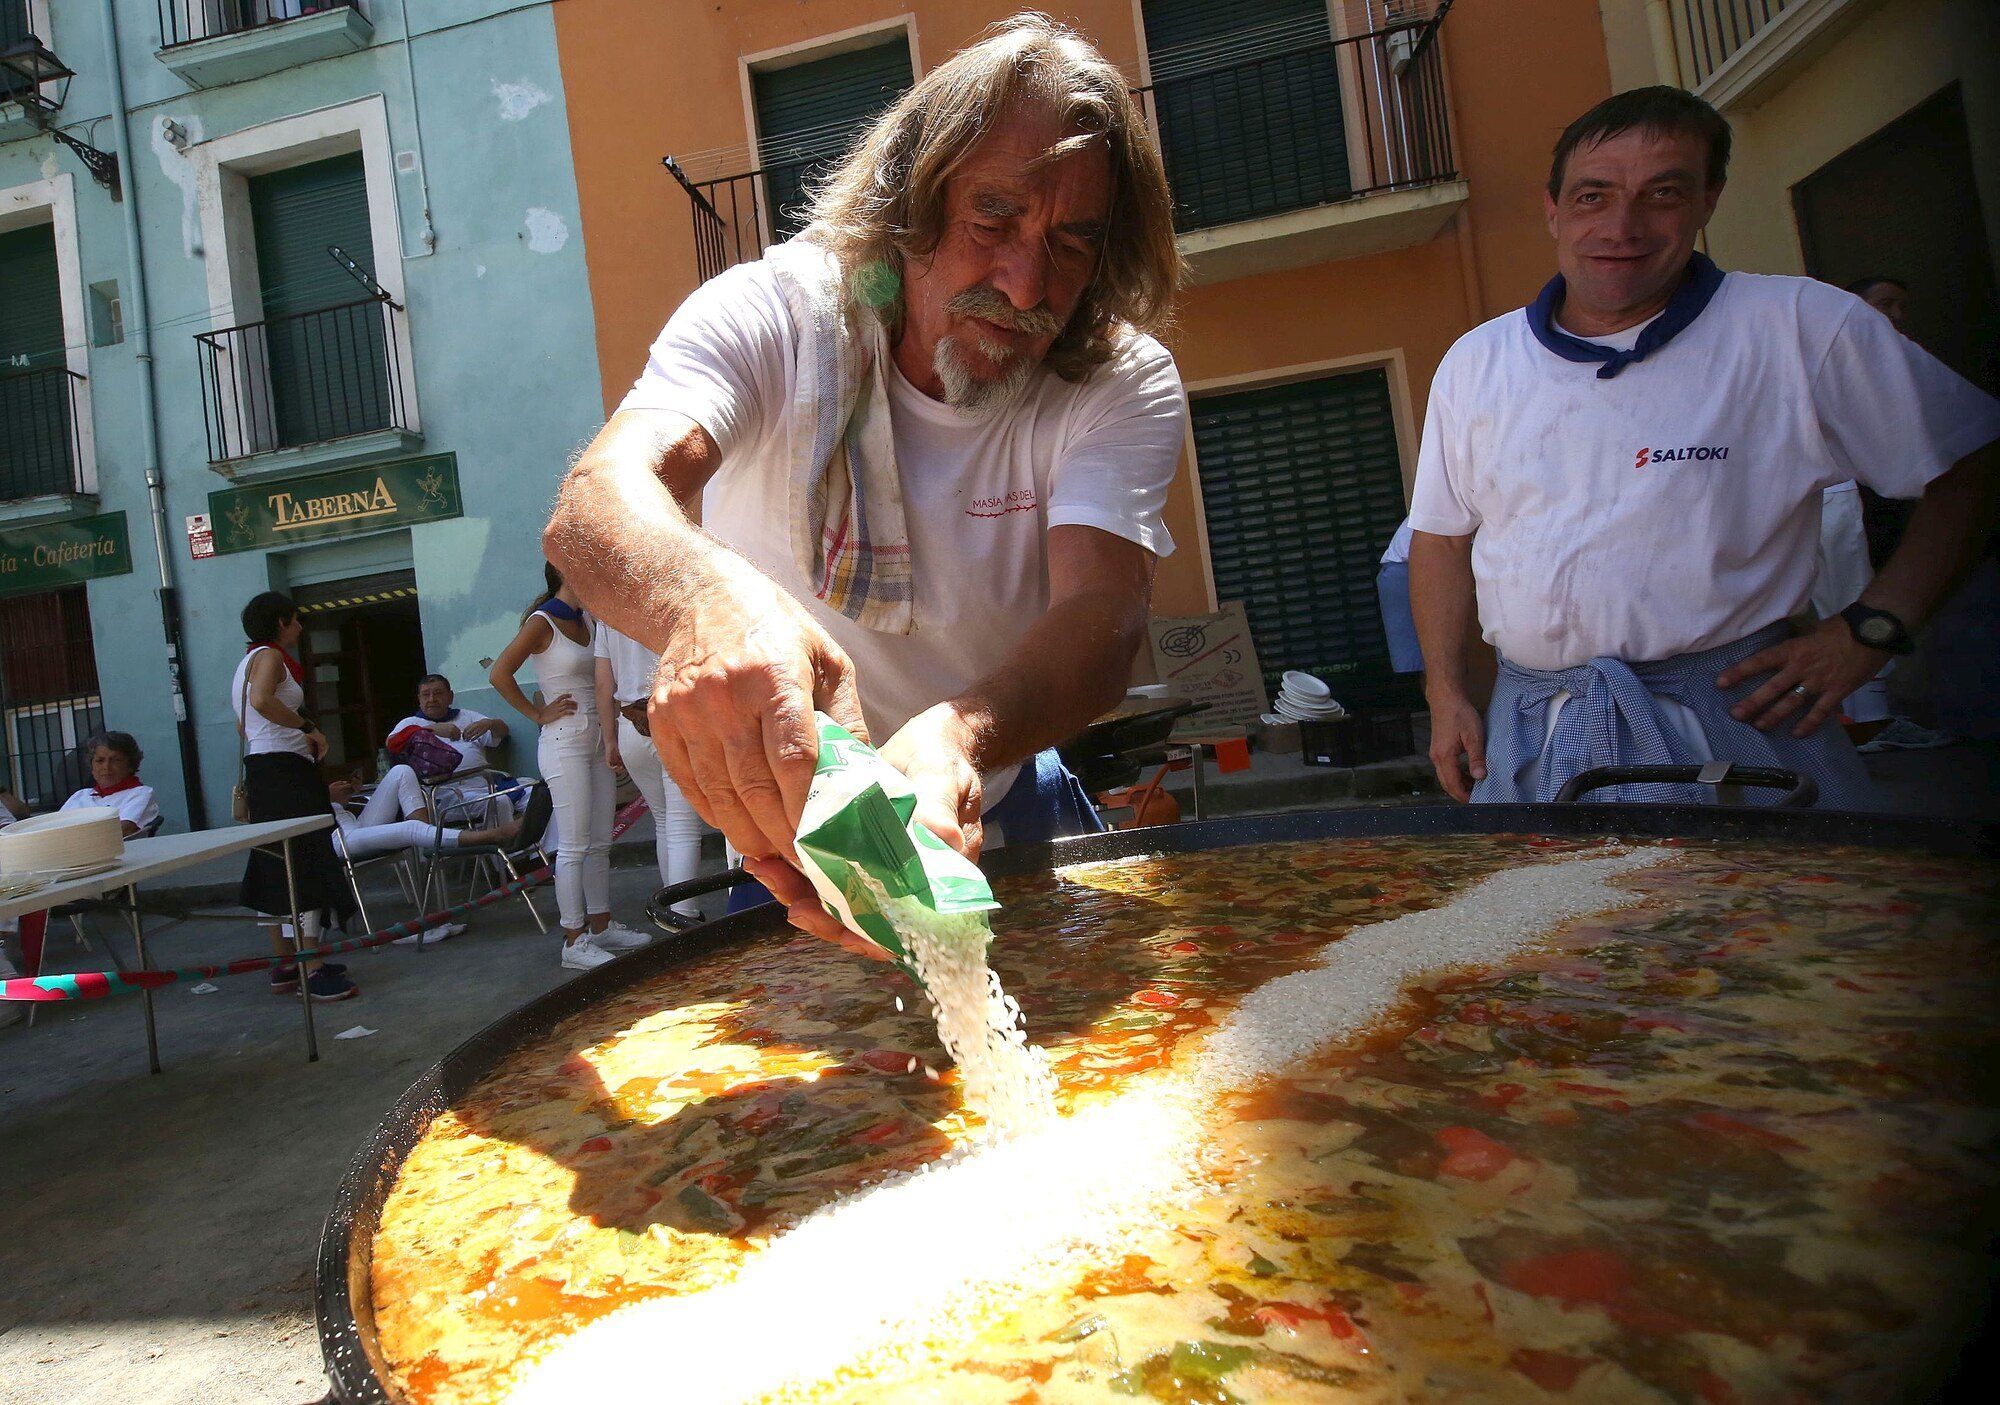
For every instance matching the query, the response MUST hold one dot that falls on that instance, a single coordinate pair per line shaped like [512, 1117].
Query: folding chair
[526, 845]
[397, 861]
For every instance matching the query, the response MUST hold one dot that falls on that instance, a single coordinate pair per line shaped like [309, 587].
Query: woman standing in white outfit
[557, 636]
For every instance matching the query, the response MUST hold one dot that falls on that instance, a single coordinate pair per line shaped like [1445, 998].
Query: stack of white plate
[1303, 698]
[66, 843]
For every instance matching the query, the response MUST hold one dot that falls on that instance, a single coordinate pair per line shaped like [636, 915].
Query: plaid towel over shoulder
[846, 502]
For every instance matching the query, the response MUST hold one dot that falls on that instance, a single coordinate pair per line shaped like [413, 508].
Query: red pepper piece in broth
[1724, 1124]
[1554, 1371]
[1156, 999]
[1472, 1155]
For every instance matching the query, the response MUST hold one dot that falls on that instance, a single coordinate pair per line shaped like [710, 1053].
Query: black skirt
[286, 786]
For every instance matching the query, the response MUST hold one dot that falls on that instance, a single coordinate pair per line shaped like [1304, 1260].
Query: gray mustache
[990, 305]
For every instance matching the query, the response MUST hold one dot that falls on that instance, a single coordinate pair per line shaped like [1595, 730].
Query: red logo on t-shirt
[1020, 500]
[1640, 462]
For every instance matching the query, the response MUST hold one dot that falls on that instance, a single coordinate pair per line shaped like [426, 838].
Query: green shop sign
[343, 503]
[67, 551]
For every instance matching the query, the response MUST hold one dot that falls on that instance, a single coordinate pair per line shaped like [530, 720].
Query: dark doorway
[363, 652]
[1903, 204]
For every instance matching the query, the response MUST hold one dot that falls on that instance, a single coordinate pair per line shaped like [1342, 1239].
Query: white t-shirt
[1676, 506]
[980, 492]
[135, 806]
[473, 753]
[633, 665]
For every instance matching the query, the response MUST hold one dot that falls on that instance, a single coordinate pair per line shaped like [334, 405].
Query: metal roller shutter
[808, 113]
[1302, 488]
[329, 372]
[1249, 112]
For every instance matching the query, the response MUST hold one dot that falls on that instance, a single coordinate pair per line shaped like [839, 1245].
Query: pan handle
[660, 907]
[1800, 790]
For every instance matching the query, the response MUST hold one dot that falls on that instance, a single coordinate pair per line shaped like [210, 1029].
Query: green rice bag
[864, 852]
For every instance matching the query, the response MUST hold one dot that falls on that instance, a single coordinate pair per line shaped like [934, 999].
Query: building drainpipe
[140, 320]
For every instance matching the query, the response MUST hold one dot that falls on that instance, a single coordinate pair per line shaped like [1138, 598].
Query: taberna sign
[343, 503]
[63, 551]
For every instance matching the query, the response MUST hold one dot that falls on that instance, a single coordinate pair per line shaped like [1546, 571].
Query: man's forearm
[1945, 535]
[625, 544]
[1070, 667]
[1443, 605]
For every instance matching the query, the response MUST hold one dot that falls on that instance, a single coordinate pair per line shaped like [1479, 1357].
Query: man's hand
[478, 730]
[447, 730]
[934, 750]
[1458, 745]
[803, 908]
[742, 670]
[1815, 672]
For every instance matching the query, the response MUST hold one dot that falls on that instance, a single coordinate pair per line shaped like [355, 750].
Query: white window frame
[53, 201]
[861, 36]
[223, 167]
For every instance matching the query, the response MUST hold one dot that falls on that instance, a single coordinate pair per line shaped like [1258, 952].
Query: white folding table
[169, 853]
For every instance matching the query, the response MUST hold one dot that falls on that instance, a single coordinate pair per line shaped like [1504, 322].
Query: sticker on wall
[201, 535]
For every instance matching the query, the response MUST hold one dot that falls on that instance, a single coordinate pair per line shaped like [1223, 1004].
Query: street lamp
[25, 66]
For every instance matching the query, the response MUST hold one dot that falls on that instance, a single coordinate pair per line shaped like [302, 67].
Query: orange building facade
[1357, 184]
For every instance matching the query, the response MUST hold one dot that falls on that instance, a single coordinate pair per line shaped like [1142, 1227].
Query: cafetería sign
[43, 555]
[342, 503]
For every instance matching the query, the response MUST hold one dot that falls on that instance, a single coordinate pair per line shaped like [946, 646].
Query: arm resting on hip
[1947, 531]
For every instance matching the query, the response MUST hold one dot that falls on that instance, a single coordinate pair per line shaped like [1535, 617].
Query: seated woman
[114, 771]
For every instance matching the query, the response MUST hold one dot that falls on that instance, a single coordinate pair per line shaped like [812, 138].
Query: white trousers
[583, 791]
[397, 796]
[677, 829]
[359, 839]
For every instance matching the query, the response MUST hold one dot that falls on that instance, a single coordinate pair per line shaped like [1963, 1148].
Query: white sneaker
[584, 954]
[432, 935]
[616, 936]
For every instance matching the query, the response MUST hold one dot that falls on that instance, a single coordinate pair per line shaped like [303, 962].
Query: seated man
[1630, 470]
[472, 735]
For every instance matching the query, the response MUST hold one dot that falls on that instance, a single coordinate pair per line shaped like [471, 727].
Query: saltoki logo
[1689, 453]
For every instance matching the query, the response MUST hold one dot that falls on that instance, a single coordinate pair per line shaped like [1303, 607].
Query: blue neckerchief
[1700, 285]
[561, 611]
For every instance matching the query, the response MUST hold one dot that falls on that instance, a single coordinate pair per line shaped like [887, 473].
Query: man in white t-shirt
[472, 735]
[997, 245]
[1630, 471]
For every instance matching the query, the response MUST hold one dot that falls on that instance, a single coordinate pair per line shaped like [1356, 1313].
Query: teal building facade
[292, 296]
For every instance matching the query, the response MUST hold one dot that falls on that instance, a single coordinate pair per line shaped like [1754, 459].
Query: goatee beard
[974, 394]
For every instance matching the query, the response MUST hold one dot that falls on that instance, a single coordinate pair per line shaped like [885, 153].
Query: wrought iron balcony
[304, 379]
[41, 435]
[1715, 31]
[187, 21]
[1302, 127]
[1292, 129]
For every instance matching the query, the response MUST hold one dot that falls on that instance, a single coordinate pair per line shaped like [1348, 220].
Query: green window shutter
[808, 113]
[1302, 488]
[325, 342]
[1249, 113]
[35, 438]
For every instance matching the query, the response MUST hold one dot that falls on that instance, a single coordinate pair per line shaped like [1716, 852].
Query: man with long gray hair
[932, 441]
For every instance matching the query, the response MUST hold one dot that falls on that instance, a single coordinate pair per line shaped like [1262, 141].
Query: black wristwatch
[1878, 629]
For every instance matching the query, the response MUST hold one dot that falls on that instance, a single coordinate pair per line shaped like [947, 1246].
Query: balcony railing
[291, 381]
[41, 436]
[1714, 31]
[186, 21]
[1301, 127]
